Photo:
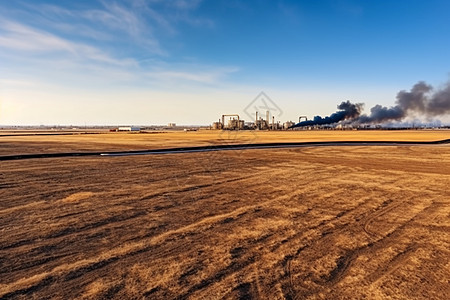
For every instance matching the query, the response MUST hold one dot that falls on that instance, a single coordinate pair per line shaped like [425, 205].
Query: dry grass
[105, 141]
[309, 223]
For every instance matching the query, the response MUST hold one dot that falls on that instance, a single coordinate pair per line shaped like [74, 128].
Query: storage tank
[288, 124]
[217, 126]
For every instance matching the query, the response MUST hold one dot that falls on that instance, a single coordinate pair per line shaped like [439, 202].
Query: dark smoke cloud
[439, 104]
[380, 114]
[421, 99]
[347, 110]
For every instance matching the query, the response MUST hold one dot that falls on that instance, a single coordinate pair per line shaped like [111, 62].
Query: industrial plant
[234, 122]
[421, 100]
[348, 117]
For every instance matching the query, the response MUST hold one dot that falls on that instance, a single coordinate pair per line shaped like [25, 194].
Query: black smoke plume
[347, 110]
[422, 99]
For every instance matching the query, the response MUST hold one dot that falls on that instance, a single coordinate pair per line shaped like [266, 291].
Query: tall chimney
[267, 119]
[273, 122]
[256, 120]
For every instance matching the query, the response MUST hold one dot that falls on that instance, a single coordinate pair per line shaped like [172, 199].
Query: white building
[129, 128]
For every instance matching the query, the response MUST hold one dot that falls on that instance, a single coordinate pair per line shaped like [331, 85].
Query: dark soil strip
[221, 148]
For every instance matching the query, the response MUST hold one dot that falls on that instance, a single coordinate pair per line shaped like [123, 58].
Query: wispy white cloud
[82, 30]
[209, 75]
[66, 21]
[131, 23]
[111, 22]
[61, 44]
[184, 13]
[145, 24]
[154, 16]
[52, 11]
[186, 4]
[172, 13]
[116, 17]
[19, 37]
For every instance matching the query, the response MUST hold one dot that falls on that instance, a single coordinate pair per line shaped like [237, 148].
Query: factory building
[288, 124]
[217, 125]
[236, 123]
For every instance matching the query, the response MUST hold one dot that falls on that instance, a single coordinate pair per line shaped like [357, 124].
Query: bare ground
[311, 223]
[25, 142]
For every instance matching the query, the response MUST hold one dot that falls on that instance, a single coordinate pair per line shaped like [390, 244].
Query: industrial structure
[234, 122]
[268, 122]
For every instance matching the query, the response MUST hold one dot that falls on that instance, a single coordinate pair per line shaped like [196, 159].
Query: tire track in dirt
[96, 265]
[343, 265]
[124, 216]
[192, 187]
[396, 262]
[248, 252]
[290, 290]
[108, 221]
[233, 268]
[244, 258]
[344, 262]
[121, 252]
[385, 207]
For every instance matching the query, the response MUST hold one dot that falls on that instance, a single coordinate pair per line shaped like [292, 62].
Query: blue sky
[154, 61]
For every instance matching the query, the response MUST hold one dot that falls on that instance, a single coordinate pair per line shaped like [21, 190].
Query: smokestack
[256, 120]
[267, 119]
[273, 122]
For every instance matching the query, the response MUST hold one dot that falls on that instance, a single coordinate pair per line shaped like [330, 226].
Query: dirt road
[17, 143]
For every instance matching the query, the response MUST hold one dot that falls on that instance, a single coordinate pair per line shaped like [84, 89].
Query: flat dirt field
[341, 222]
[26, 142]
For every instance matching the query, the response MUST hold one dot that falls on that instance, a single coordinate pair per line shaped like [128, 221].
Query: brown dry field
[106, 141]
[306, 223]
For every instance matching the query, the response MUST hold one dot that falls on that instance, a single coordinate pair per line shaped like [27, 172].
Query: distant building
[129, 128]
[288, 124]
[217, 126]
[235, 124]
[172, 125]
